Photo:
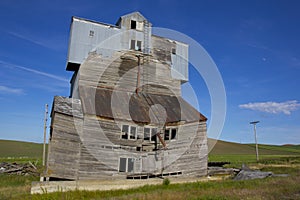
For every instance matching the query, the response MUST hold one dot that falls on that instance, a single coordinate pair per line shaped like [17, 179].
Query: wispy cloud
[5, 64]
[8, 90]
[54, 43]
[273, 107]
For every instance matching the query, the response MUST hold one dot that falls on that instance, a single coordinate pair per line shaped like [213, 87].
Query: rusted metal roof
[131, 106]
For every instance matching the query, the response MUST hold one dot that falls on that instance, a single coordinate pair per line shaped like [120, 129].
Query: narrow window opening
[173, 133]
[122, 165]
[167, 134]
[153, 134]
[130, 165]
[125, 130]
[139, 45]
[132, 133]
[132, 44]
[147, 134]
[133, 24]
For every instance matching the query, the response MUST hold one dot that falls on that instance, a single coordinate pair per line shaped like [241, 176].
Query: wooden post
[45, 131]
[256, 145]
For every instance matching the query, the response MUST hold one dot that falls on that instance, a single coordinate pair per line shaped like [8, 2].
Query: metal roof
[112, 104]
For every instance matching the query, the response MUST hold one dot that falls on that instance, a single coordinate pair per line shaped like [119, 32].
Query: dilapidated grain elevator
[125, 117]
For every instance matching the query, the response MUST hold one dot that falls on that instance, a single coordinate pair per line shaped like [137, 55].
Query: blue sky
[255, 45]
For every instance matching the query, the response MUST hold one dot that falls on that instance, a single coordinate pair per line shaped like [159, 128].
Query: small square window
[91, 33]
[133, 24]
[173, 51]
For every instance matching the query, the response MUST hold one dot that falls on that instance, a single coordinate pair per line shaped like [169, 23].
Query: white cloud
[8, 90]
[273, 107]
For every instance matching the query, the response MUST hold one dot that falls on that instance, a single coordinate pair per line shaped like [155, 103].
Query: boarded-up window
[138, 45]
[132, 44]
[139, 26]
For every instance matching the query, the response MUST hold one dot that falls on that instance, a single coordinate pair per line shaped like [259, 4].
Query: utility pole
[256, 145]
[45, 131]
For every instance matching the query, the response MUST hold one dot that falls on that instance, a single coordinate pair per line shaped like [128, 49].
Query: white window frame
[129, 132]
[151, 134]
[135, 45]
[126, 164]
[170, 133]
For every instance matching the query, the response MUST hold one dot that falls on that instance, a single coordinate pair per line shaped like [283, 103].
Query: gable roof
[129, 15]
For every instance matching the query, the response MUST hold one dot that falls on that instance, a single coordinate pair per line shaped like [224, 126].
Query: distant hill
[222, 147]
[10, 148]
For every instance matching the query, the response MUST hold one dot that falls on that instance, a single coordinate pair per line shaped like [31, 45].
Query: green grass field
[278, 159]
[15, 149]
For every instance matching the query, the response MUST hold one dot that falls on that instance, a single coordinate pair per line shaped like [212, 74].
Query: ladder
[146, 52]
[146, 32]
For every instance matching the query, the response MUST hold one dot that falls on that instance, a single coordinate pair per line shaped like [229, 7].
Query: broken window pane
[132, 132]
[125, 130]
[147, 133]
[173, 133]
[153, 134]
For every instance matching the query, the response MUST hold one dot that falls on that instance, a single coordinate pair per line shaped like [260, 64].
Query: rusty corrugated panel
[109, 104]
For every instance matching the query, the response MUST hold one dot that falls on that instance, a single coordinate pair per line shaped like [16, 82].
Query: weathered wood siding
[90, 148]
[121, 72]
[64, 152]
